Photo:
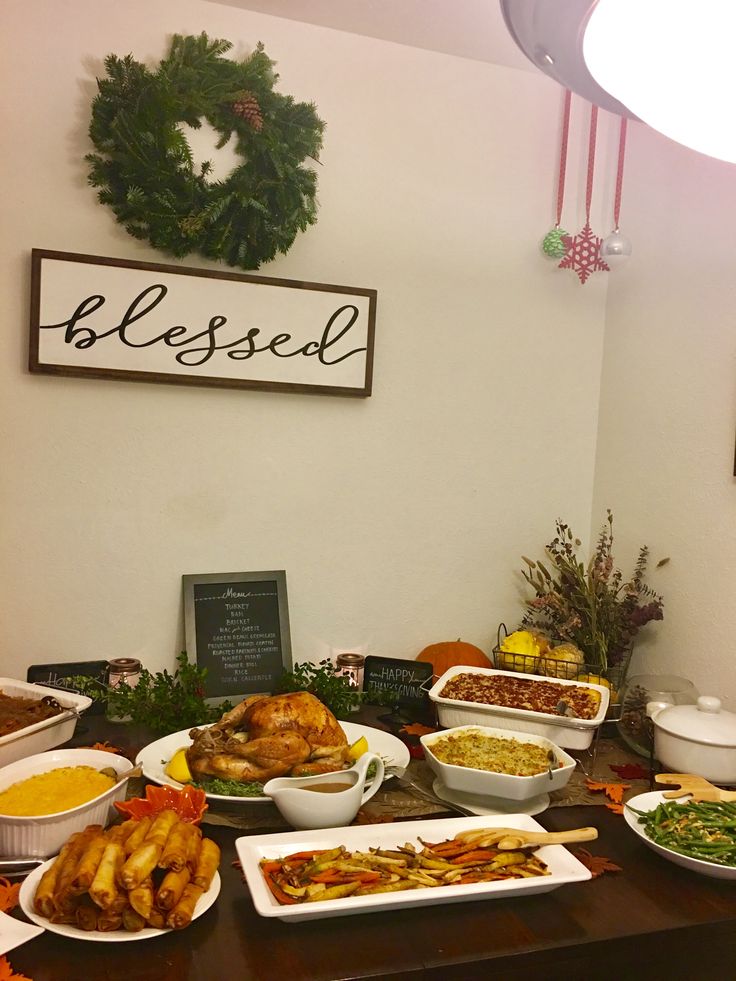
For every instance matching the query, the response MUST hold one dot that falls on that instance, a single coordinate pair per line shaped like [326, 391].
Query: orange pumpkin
[451, 652]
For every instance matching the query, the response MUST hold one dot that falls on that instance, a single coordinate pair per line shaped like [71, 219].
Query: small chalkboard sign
[407, 681]
[236, 625]
[58, 675]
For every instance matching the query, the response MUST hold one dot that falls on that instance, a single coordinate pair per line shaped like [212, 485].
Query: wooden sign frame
[97, 317]
[243, 654]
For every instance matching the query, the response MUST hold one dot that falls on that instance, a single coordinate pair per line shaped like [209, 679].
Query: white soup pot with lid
[699, 739]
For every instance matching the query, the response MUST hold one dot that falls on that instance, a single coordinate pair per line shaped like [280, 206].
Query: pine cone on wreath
[246, 106]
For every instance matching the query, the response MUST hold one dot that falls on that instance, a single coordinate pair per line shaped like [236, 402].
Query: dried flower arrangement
[591, 606]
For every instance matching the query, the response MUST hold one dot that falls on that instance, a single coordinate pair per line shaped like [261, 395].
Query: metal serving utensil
[16, 868]
[418, 791]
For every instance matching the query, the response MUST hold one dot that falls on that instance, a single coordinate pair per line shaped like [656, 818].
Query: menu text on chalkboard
[237, 626]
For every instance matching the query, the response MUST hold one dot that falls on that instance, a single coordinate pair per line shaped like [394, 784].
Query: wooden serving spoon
[699, 788]
[510, 839]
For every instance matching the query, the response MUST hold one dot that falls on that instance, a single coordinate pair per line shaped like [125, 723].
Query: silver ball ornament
[615, 249]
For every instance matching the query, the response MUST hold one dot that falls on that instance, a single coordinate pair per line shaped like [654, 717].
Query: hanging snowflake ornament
[553, 243]
[584, 254]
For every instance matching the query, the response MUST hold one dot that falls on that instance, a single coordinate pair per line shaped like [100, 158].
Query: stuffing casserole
[479, 751]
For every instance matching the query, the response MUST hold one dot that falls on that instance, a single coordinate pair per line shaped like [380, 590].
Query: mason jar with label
[351, 666]
[122, 670]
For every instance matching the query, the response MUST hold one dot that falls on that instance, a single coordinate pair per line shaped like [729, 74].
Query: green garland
[144, 170]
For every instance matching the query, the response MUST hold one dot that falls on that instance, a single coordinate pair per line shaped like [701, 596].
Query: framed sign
[236, 624]
[407, 681]
[60, 675]
[108, 318]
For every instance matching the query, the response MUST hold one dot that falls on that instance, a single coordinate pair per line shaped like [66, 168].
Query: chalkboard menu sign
[237, 626]
[58, 675]
[407, 681]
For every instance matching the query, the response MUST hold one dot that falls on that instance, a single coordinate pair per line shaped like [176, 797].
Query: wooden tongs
[698, 788]
[513, 838]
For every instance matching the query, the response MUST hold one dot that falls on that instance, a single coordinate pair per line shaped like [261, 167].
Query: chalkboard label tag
[58, 675]
[407, 681]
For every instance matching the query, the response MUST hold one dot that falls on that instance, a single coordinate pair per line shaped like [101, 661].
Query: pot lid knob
[709, 703]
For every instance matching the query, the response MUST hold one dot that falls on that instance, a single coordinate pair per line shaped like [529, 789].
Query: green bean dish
[704, 830]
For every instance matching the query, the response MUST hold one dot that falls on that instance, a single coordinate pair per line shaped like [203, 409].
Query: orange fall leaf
[613, 791]
[104, 748]
[8, 894]
[596, 864]
[8, 974]
[416, 729]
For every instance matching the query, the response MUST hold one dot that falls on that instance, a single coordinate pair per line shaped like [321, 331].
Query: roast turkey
[269, 736]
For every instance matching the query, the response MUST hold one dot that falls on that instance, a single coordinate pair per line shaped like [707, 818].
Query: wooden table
[652, 920]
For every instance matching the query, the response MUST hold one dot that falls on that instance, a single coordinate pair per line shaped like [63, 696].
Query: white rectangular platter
[563, 866]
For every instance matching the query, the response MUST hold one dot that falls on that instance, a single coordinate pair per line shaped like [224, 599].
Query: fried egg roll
[181, 915]
[135, 838]
[162, 825]
[193, 847]
[207, 862]
[171, 888]
[108, 920]
[43, 901]
[86, 914]
[77, 845]
[156, 919]
[87, 865]
[141, 898]
[140, 864]
[176, 849]
[103, 889]
[121, 832]
[132, 921]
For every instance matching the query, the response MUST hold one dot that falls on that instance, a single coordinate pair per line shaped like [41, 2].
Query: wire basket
[546, 667]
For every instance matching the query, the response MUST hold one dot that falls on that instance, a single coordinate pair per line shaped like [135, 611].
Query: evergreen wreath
[144, 170]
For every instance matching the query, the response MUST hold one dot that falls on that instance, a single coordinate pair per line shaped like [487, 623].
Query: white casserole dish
[43, 836]
[570, 733]
[698, 739]
[43, 735]
[469, 780]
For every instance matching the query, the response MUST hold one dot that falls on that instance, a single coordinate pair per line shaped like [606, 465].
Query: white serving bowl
[572, 733]
[43, 836]
[649, 802]
[43, 735]
[469, 780]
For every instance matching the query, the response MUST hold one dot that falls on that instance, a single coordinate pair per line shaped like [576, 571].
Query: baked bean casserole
[549, 697]
[17, 712]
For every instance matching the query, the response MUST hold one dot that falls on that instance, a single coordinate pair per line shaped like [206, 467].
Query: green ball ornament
[553, 244]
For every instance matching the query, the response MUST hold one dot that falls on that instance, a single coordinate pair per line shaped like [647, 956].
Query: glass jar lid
[705, 722]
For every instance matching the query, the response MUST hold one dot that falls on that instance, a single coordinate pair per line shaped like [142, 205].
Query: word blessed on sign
[150, 322]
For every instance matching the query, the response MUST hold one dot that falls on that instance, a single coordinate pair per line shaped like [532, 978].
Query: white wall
[668, 403]
[400, 520]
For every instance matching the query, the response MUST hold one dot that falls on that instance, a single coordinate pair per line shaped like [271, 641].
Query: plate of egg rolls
[135, 880]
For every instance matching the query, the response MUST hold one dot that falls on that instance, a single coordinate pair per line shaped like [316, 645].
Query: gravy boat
[325, 800]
